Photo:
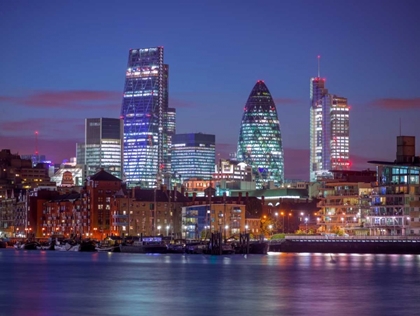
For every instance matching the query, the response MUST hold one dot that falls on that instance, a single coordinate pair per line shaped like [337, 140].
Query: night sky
[64, 61]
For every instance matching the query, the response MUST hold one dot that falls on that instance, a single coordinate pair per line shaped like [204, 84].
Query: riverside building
[260, 142]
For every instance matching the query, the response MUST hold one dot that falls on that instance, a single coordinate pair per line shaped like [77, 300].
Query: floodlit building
[103, 148]
[395, 200]
[329, 131]
[145, 114]
[260, 142]
[193, 155]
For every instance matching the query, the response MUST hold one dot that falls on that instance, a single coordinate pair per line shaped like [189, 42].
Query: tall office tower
[144, 109]
[103, 146]
[193, 155]
[329, 131]
[170, 132]
[260, 143]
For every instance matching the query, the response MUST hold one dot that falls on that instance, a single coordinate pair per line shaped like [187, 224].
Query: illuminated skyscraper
[103, 146]
[329, 131]
[194, 155]
[144, 110]
[260, 143]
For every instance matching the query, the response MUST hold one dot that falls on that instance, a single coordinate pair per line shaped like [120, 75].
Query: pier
[351, 244]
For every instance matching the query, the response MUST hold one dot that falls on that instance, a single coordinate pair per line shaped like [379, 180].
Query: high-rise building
[103, 147]
[144, 110]
[260, 142]
[329, 131]
[193, 155]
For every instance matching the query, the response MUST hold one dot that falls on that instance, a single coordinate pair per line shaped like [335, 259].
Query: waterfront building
[222, 215]
[13, 213]
[194, 155]
[103, 147]
[145, 114]
[148, 212]
[344, 205]
[329, 131]
[395, 199]
[260, 141]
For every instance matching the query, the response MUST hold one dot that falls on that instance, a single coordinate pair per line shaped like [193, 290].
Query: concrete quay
[353, 244]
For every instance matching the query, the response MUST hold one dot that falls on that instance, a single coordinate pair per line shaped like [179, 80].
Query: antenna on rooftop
[319, 66]
[36, 143]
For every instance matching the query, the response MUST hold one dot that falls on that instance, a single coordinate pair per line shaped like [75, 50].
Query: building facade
[193, 155]
[260, 142]
[103, 148]
[144, 111]
[395, 199]
[329, 131]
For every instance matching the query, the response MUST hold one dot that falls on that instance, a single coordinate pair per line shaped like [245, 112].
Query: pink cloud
[75, 99]
[62, 127]
[396, 103]
[286, 101]
[178, 103]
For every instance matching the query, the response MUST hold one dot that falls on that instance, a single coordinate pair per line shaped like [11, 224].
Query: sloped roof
[103, 176]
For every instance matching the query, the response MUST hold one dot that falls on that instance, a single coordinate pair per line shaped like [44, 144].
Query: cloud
[47, 128]
[75, 99]
[178, 103]
[396, 103]
[287, 101]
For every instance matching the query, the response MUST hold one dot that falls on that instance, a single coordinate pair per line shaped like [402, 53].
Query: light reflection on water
[71, 283]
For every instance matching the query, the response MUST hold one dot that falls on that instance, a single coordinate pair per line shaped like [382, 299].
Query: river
[38, 283]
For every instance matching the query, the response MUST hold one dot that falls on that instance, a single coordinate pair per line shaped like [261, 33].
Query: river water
[36, 283]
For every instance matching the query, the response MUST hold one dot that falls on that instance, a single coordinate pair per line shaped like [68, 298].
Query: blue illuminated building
[144, 110]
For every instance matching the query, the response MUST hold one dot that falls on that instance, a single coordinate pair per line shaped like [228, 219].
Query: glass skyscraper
[103, 146]
[329, 131]
[144, 110]
[260, 142]
[193, 155]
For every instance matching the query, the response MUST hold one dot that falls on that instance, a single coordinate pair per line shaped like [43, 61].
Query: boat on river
[144, 245]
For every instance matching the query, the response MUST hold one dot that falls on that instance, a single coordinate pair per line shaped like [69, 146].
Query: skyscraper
[260, 142]
[103, 148]
[193, 155]
[144, 109]
[329, 131]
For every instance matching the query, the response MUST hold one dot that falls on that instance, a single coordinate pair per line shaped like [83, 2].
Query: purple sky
[62, 62]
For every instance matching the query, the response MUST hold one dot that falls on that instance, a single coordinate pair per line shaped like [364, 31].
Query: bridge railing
[331, 237]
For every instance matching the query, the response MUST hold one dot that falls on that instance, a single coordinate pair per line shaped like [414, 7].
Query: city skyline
[56, 72]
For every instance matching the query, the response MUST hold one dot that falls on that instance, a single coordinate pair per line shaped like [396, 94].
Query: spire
[319, 66]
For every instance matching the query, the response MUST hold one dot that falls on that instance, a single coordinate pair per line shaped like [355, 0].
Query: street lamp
[246, 228]
[159, 227]
[306, 223]
[270, 227]
[226, 229]
[282, 214]
[288, 221]
[167, 230]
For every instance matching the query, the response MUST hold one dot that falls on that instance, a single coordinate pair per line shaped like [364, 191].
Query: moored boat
[144, 245]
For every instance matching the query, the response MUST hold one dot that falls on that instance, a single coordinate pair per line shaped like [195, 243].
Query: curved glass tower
[260, 143]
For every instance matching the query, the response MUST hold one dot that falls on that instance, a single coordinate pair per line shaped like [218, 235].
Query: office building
[103, 147]
[329, 131]
[260, 142]
[144, 111]
[193, 155]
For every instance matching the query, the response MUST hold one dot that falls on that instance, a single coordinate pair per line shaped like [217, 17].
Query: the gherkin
[260, 143]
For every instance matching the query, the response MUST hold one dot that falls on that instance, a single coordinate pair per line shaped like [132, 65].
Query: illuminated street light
[159, 227]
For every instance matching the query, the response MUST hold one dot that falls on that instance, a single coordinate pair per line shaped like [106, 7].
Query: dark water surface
[39, 283]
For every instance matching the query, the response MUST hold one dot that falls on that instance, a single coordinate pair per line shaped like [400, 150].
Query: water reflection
[71, 283]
